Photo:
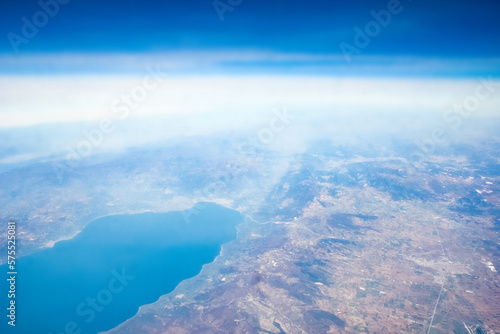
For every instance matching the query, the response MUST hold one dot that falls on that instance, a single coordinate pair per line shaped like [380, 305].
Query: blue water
[98, 279]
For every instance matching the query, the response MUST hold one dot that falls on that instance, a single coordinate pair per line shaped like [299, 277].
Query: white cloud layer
[30, 100]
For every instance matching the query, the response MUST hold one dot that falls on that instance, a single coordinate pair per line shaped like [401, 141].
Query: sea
[100, 278]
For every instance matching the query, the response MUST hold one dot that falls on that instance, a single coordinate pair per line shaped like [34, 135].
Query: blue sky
[431, 29]
[294, 44]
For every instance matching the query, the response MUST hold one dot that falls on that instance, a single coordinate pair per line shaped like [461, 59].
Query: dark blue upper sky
[424, 28]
